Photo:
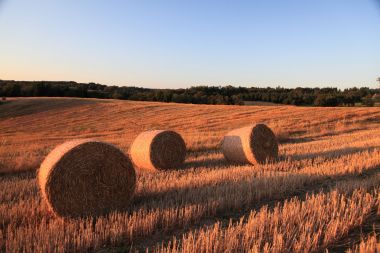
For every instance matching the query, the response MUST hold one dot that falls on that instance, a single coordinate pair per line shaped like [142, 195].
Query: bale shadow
[24, 107]
[225, 216]
[172, 197]
[202, 151]
[332, 153]
[335, 133]
[211, 163]
[293, 139]
[297, 132]
[296, 140]
[22, 174]
[370, 226]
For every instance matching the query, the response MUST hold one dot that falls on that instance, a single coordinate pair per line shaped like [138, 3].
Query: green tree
[368, 101]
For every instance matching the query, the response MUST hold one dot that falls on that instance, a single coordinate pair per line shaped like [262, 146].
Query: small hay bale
[158, 150]
[86, 178]
[253, 144]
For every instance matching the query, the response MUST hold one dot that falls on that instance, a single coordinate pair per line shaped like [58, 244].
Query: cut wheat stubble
[86, 178]
[255, 144]
[158, 150]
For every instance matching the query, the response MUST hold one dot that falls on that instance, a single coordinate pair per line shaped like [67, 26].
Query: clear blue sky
[170, 44]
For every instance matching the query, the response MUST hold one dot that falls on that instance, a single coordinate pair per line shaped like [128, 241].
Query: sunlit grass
[332, 149]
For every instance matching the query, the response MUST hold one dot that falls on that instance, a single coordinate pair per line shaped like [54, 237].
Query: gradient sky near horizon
[172, 44]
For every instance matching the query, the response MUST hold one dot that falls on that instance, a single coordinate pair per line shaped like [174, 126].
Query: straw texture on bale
[86, 178]
[158, 150]
[253, 144]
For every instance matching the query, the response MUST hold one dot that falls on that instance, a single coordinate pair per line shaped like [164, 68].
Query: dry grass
[294, 226]
[369, 245]
[30, 128]
[336, 150]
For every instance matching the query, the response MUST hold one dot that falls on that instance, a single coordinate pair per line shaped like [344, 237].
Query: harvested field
[321, 191]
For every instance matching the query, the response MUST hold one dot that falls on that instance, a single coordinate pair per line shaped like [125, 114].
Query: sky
[176, 44]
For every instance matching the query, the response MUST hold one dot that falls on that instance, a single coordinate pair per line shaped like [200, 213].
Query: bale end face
[86, 178]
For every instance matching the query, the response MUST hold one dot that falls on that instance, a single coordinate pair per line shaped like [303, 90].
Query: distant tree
[117, 95]
[197, 95]
[378, 79]
[320, 100]
[349, 100]
[368, 101]
[326, 100]
[308, 99]
[237, 100]
[219, 100]
[159, 96]
[11, 90]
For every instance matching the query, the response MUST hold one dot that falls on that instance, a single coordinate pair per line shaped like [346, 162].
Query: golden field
[322, 194]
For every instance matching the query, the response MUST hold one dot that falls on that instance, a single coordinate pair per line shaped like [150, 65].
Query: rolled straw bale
[158, 150]
[252, 144]
[86, 177]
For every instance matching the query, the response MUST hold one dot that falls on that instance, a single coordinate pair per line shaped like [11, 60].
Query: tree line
[196, 95]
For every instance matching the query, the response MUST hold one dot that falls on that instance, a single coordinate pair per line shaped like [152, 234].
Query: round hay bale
[253, 144]
[86, 178]
[158, 150]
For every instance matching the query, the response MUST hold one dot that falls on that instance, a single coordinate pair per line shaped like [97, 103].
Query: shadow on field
[335, 133]
[370, 227]
[296, 140]
[200, 194]
[28, 106]
[333, 153]
[197, 195]
[206, 163]
[292, 138]
[201, 151]
[14, 175]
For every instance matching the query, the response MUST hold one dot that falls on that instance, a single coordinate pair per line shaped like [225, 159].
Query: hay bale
[86, 177]
[158, 150]
[253, 144]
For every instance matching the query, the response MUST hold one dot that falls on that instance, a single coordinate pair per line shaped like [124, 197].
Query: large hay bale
[86, 177]
[253, 144]
[158, 150]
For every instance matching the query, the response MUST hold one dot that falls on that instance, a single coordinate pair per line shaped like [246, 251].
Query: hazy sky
[171, 44]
